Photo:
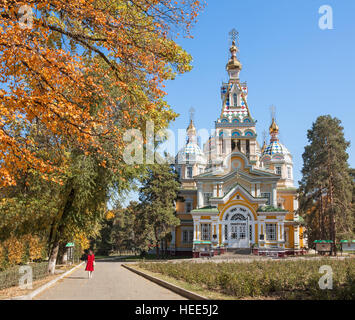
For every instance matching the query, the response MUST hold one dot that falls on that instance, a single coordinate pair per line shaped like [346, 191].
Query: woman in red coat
[90, 263]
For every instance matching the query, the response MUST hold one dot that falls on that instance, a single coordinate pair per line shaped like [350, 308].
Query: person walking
[90, 263]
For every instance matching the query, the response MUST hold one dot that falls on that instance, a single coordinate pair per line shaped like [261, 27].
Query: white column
[215, 189]
[198, 230]
[253, 190]
[274, 195]
[220, 186]
[258, 193]
[282, 238]
[200, 203]
[195, 230]
[296, 237]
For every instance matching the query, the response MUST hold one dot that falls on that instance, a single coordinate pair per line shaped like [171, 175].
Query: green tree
[131, 229]
[158, 196]
[326, 187]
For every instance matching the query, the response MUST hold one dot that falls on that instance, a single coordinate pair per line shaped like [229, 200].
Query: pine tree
[131, 230]
[158, 195]
[326, 187]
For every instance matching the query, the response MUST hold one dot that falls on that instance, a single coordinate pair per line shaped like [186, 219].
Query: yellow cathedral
[235, 195]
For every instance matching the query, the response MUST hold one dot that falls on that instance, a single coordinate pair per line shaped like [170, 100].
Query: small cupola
[234, 66]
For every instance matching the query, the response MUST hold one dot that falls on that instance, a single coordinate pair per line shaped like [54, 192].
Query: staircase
[241, 251]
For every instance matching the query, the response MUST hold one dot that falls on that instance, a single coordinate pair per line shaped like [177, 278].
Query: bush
[297, 279]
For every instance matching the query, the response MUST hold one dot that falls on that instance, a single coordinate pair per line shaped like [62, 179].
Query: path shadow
[76, 278]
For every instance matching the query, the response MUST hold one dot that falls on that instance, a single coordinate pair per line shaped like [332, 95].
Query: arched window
[235, 99]
[238, 216]
[235, 134]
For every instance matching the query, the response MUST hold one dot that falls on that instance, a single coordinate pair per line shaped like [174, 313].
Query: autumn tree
[71, 83]
[53, 71]
[326, 186]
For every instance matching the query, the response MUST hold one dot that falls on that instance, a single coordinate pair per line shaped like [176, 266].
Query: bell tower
[235, 128]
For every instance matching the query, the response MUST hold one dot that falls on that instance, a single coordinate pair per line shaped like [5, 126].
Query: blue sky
[288, 61]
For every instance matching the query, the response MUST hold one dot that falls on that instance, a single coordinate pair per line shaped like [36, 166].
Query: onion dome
[275, 147]
[274, 128]
[191, 152]
[234, 63]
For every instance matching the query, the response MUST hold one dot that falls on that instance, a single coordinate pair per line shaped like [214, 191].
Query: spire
[191, 130]
[234, 66]
[234, 63]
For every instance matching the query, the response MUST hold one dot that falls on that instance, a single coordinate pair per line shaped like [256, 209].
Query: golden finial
[191, 126]
[233, 62]
[274, 128]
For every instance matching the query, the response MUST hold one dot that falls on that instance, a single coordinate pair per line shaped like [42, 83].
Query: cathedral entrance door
[238, 227]
[238, 235]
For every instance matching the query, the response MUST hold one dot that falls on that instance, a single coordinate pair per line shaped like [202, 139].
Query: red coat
[90, 263]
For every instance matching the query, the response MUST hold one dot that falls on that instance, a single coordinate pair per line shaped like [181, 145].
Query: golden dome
[274, 128]
[233, 62]
[191, 127]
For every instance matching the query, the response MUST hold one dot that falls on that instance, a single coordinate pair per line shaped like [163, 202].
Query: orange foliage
[83, 241]
[44, 82]
[110, 215]
[15, 250]
[35, 247]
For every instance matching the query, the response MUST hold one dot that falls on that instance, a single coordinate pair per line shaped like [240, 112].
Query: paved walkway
[110, 281]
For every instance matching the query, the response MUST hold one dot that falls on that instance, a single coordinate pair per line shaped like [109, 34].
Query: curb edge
[182, 292]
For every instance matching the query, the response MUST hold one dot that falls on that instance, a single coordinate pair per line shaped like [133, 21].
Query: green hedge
[11, 276]
[297, 279]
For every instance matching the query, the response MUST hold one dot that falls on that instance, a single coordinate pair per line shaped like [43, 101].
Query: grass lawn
[278, 279]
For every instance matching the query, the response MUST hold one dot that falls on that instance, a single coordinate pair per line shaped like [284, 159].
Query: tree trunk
[331, 202]
[166, 247]
[157, 250]
[322, 222]
[53, 257]
[57, 229]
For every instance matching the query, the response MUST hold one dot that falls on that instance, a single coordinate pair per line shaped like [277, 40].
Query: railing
[11, 277]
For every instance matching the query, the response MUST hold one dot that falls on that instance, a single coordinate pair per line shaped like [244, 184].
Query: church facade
[236, 195]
